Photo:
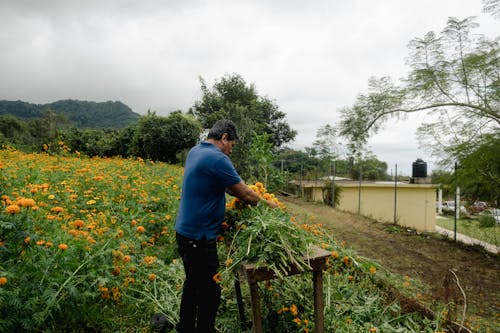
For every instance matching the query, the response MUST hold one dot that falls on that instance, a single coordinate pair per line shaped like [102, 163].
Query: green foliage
[82, 114]
[332, 199]
[162, 138]
[231, 98]
[454, 77]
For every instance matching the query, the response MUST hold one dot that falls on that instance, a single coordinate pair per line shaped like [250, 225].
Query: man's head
[223, 126]
[224, 134]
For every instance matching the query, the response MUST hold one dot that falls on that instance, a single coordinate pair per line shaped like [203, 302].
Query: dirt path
[428, 258]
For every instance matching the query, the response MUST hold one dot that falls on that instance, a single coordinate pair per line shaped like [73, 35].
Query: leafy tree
[12, 130]
[454, 75]
[231, 98]
[326, 145]
[162, 138]
[479, 168]
[261, 156]
[492, 7]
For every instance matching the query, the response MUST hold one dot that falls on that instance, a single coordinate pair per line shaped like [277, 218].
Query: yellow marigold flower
[116, 293]
[140, 229]
[3, 280]
[91, 202]
[229, 261]
[152, 277]
[149, 260]
[63, 247]
[12, 209]
[51, 197]
[168, 217]
[217, 277]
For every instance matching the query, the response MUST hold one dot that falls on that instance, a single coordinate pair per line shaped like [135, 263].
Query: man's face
[227, 145]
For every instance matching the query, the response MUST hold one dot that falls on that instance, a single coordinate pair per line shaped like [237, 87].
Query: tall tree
[231, 98]
[454, 75]
[162, 138]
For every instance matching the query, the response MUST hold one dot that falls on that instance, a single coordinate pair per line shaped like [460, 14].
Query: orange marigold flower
[229, 261]
[297, 321]
[350, 277]
[283, 309]
[152, 277]
[63, 247]
[12, 209]
[373, 329]
[346, 260]
[294, 310]
[79, 223]
[27, 240]
[140, 229]
[217, 277]
[126, 258]
[57, 209]
[373, 269]
[40, 242]
[335, 254]
[49, 244]
[23, 202]
[3, 280]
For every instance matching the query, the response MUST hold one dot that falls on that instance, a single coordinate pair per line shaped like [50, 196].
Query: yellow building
[410, 205]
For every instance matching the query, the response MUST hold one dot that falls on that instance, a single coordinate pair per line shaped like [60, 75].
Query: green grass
[473, 229]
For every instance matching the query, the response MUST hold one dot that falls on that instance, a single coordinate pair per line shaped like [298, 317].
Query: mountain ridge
[82, 114]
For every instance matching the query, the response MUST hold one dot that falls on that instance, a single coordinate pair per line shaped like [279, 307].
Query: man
[208, 175]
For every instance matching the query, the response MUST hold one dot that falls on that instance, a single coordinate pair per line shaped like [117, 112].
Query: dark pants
[200, 294]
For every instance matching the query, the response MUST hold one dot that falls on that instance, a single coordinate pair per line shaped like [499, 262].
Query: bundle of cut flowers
[265, 236]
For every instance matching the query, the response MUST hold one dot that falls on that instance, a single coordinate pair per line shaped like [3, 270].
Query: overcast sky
[311, 57]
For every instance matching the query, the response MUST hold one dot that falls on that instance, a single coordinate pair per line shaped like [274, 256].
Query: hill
[83, 114]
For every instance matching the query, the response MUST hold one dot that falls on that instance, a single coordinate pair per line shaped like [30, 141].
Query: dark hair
[223, 126]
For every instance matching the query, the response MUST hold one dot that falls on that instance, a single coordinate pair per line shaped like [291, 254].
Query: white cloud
[312, 58]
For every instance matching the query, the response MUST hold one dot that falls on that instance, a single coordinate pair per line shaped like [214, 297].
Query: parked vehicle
[449, 207]
[477, 207]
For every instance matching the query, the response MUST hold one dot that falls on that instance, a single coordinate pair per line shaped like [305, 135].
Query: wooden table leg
[254, 296]
[319, 317]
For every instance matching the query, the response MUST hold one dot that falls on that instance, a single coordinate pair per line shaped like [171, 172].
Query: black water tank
[419, 168]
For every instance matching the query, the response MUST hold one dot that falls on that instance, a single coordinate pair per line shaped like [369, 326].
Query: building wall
[415, 203]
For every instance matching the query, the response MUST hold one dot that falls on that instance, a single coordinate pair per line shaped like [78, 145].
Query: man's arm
[246, 194]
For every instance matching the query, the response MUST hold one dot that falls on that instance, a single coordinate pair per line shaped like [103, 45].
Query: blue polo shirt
[207, 174]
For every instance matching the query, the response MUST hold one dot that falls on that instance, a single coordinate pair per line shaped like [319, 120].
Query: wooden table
[254, 274]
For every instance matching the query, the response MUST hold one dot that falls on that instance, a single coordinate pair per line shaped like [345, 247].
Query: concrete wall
[415, 203]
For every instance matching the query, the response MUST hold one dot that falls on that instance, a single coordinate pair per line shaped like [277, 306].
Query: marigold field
[88, 245]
